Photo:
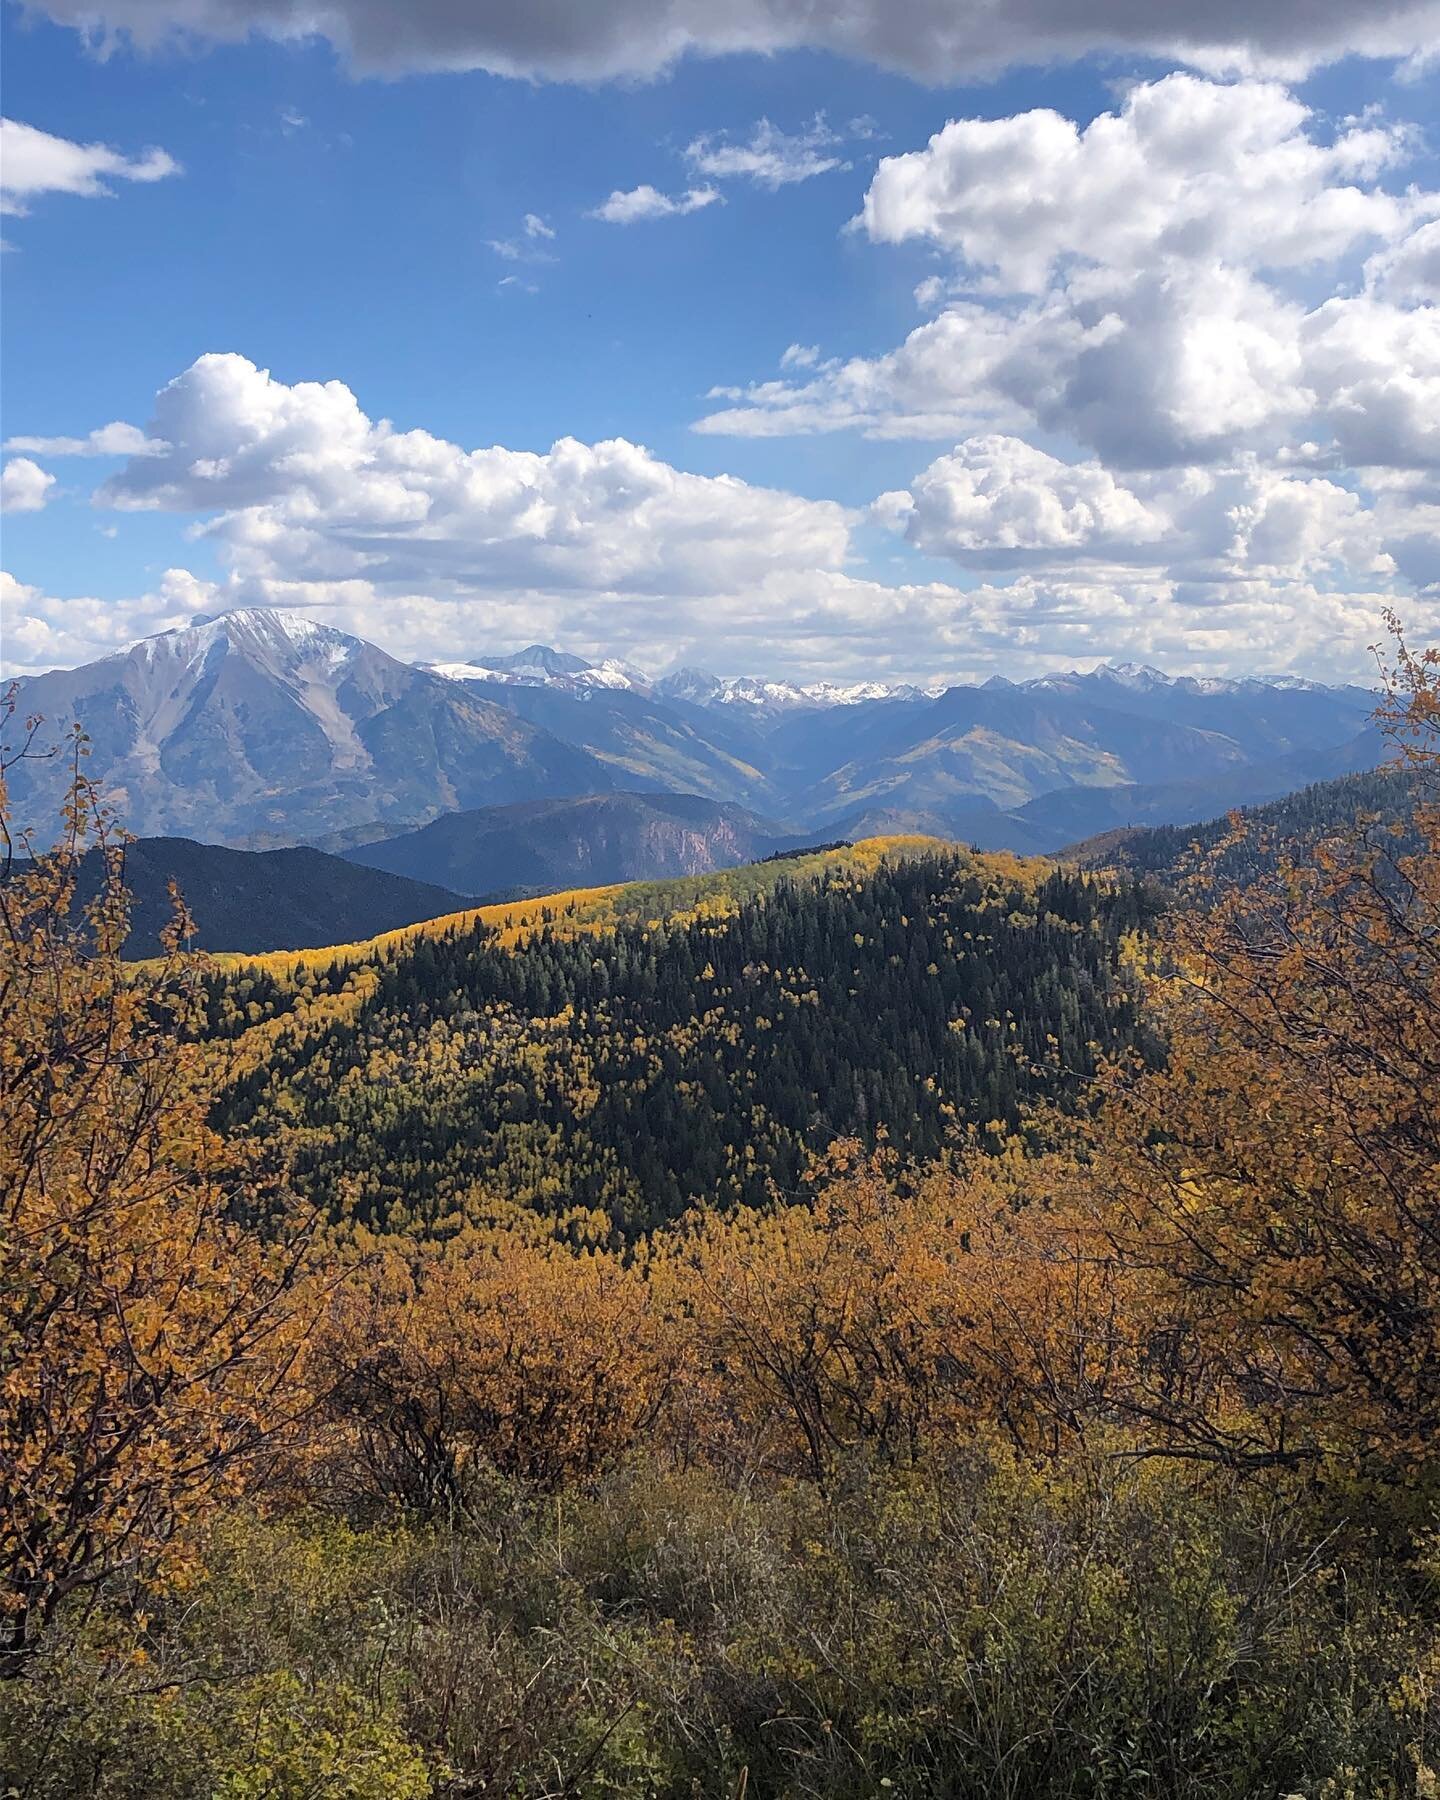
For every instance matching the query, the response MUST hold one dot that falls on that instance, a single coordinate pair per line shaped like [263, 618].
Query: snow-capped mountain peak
[534, 660]
[541, 666]
[1144, 678]
[464, 671]
[1134, 675]
[613, 673]
[278, 638]
[697, 686]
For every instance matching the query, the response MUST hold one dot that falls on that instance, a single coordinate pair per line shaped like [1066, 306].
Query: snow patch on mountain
[703, 689]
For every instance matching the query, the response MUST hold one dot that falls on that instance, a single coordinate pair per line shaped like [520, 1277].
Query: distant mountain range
[540, 666]
[267, 723]
[1027, 766]
[541, 845]
[1387, 797]
[264, 727]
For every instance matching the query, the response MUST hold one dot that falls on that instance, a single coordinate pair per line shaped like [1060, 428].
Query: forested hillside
[1380, 799]
[403, 1404]
[701, 1056]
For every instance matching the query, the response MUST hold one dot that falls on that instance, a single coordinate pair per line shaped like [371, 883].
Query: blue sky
[335, 226]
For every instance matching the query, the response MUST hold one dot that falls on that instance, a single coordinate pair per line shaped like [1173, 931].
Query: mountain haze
[822, 754]
[645, 741]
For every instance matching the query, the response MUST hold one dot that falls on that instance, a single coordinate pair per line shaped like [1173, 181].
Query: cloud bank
[430, 547]
[1145, 287]
[559, 41]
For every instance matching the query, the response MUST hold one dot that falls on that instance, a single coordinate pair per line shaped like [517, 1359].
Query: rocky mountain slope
[267, 722]
[645, 741]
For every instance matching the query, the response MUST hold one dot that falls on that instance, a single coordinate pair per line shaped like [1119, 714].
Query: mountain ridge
[264, 719]
[268, 727]
[259, 901]
[567, 843]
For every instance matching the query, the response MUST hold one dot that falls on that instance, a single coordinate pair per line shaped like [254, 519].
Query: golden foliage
[147, 1341]
[1234, 1255]
[889, 1309]
[1272, 1194]
[501, 1351]
[574, 912]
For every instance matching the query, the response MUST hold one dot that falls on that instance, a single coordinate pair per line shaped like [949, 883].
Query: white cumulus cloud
[429, 547]
[999, 503]
[1296, 527]
[24, 486]
[999, 493]
[1199, 170]
[302, 485]
[34, 162]
[1147, 287]
[628, 206]
[45, 632]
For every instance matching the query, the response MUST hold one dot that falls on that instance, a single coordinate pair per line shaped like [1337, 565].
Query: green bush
[974, 1629]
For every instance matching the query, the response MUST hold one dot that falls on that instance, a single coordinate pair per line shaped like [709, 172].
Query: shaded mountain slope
[1290, 823]
[597, 838]
[261, 900]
